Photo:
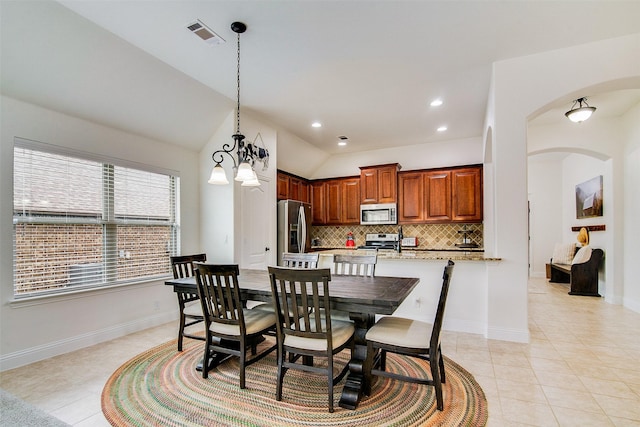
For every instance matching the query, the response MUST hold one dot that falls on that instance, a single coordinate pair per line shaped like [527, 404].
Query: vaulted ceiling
[366, 70]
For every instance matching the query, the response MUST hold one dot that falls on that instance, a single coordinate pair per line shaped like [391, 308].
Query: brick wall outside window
[86, 222]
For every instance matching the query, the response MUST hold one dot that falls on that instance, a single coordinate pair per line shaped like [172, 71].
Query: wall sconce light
[581, 113]
[248, 153]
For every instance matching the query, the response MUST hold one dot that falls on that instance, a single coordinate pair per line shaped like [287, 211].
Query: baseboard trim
[67, 345]
[503, 334]
[631, 304]
[458, 325]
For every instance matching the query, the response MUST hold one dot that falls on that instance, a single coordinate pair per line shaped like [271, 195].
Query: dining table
[362, 297]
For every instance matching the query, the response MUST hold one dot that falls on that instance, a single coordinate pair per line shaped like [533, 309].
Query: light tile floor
[580, 368]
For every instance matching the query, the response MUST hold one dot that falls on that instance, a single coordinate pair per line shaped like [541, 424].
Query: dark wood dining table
[361, 297]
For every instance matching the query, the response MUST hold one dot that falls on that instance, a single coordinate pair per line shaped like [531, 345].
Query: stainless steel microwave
[376, 214]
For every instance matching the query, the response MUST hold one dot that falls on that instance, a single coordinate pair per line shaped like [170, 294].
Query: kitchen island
[467, 301]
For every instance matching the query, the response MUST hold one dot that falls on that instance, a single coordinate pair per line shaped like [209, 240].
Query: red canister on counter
[350, 242]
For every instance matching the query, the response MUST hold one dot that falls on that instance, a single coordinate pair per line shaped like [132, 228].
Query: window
[82, 221]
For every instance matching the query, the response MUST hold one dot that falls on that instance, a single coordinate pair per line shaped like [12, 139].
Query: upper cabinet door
[379, 184]
[318, 197]
[466, 184]
[411, 197]
[295, 189]
[369, 185]
[333, 204]
[283, 186]
[437, 196]
[351, 201]
[305, 189]
[388, 184]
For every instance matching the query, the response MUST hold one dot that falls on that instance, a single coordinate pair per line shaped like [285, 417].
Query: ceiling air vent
[205, 33]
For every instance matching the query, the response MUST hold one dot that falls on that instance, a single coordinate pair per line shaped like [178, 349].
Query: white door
[257, 226]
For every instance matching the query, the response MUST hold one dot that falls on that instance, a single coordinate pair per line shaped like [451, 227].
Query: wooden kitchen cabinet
[292, 187]
[333, 202]
[305, 192]
[466, 189]
[411, 196]
[379, 184]
[318, 198]
[298, 189]
[440, 196]
[437, 196]
[283, 186]
[351, 201]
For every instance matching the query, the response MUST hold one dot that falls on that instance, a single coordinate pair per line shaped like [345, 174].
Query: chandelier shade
[245, 172]
[218, 175]
[253, 181]
[246, 153]
[581, 113]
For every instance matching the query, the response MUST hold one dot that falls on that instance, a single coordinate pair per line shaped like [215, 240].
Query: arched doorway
[562, 154]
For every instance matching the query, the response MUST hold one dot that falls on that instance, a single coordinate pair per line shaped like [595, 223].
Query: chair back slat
[294, 260]
[301, 300]
[182, 265]
[355, 265]
[442, 301]
[220, 294]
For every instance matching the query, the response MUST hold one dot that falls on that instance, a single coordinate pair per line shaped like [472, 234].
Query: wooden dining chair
[294, 260]
[226, 319]
[355, 265]
[303, 329]
[412, 338]
[190, 310]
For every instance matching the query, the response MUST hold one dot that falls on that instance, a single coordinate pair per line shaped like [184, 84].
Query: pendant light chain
[238, 90]
[246, 153]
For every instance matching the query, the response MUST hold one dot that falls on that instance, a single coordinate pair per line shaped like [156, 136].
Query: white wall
[216, 201]
[297, 156]
[631, 249]
[545, 213]
[42, 328]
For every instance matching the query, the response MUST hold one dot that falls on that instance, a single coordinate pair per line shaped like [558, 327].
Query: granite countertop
[455, 255]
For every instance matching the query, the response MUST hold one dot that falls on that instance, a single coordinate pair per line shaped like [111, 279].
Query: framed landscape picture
[589, 198]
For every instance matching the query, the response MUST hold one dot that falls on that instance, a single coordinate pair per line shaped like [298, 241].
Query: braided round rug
[161, 387]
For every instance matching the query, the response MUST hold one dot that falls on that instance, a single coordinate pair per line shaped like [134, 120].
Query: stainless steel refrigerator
[294, 227]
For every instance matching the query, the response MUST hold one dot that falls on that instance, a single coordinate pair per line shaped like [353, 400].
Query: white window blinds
[81, 222]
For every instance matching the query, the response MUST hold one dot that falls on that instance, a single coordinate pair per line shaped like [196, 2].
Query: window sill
[28, 301]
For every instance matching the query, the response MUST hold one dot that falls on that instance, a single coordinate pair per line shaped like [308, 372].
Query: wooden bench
[582, 277]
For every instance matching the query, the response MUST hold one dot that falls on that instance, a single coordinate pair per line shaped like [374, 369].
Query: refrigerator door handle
[302, 231]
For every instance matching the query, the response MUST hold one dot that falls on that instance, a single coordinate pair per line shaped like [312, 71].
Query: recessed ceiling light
[436, 102]
[316, 125]
[442, 128]
[342, 143]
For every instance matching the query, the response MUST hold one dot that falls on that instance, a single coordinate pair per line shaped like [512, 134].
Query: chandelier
[247, 153]
[581, 113]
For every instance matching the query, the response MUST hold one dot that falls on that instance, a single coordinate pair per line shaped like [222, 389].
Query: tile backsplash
[430, 236]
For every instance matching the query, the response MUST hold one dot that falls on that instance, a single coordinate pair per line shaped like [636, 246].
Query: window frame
[108, 221]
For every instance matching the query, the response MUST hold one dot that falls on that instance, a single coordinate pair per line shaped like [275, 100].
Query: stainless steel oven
[380, 241]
